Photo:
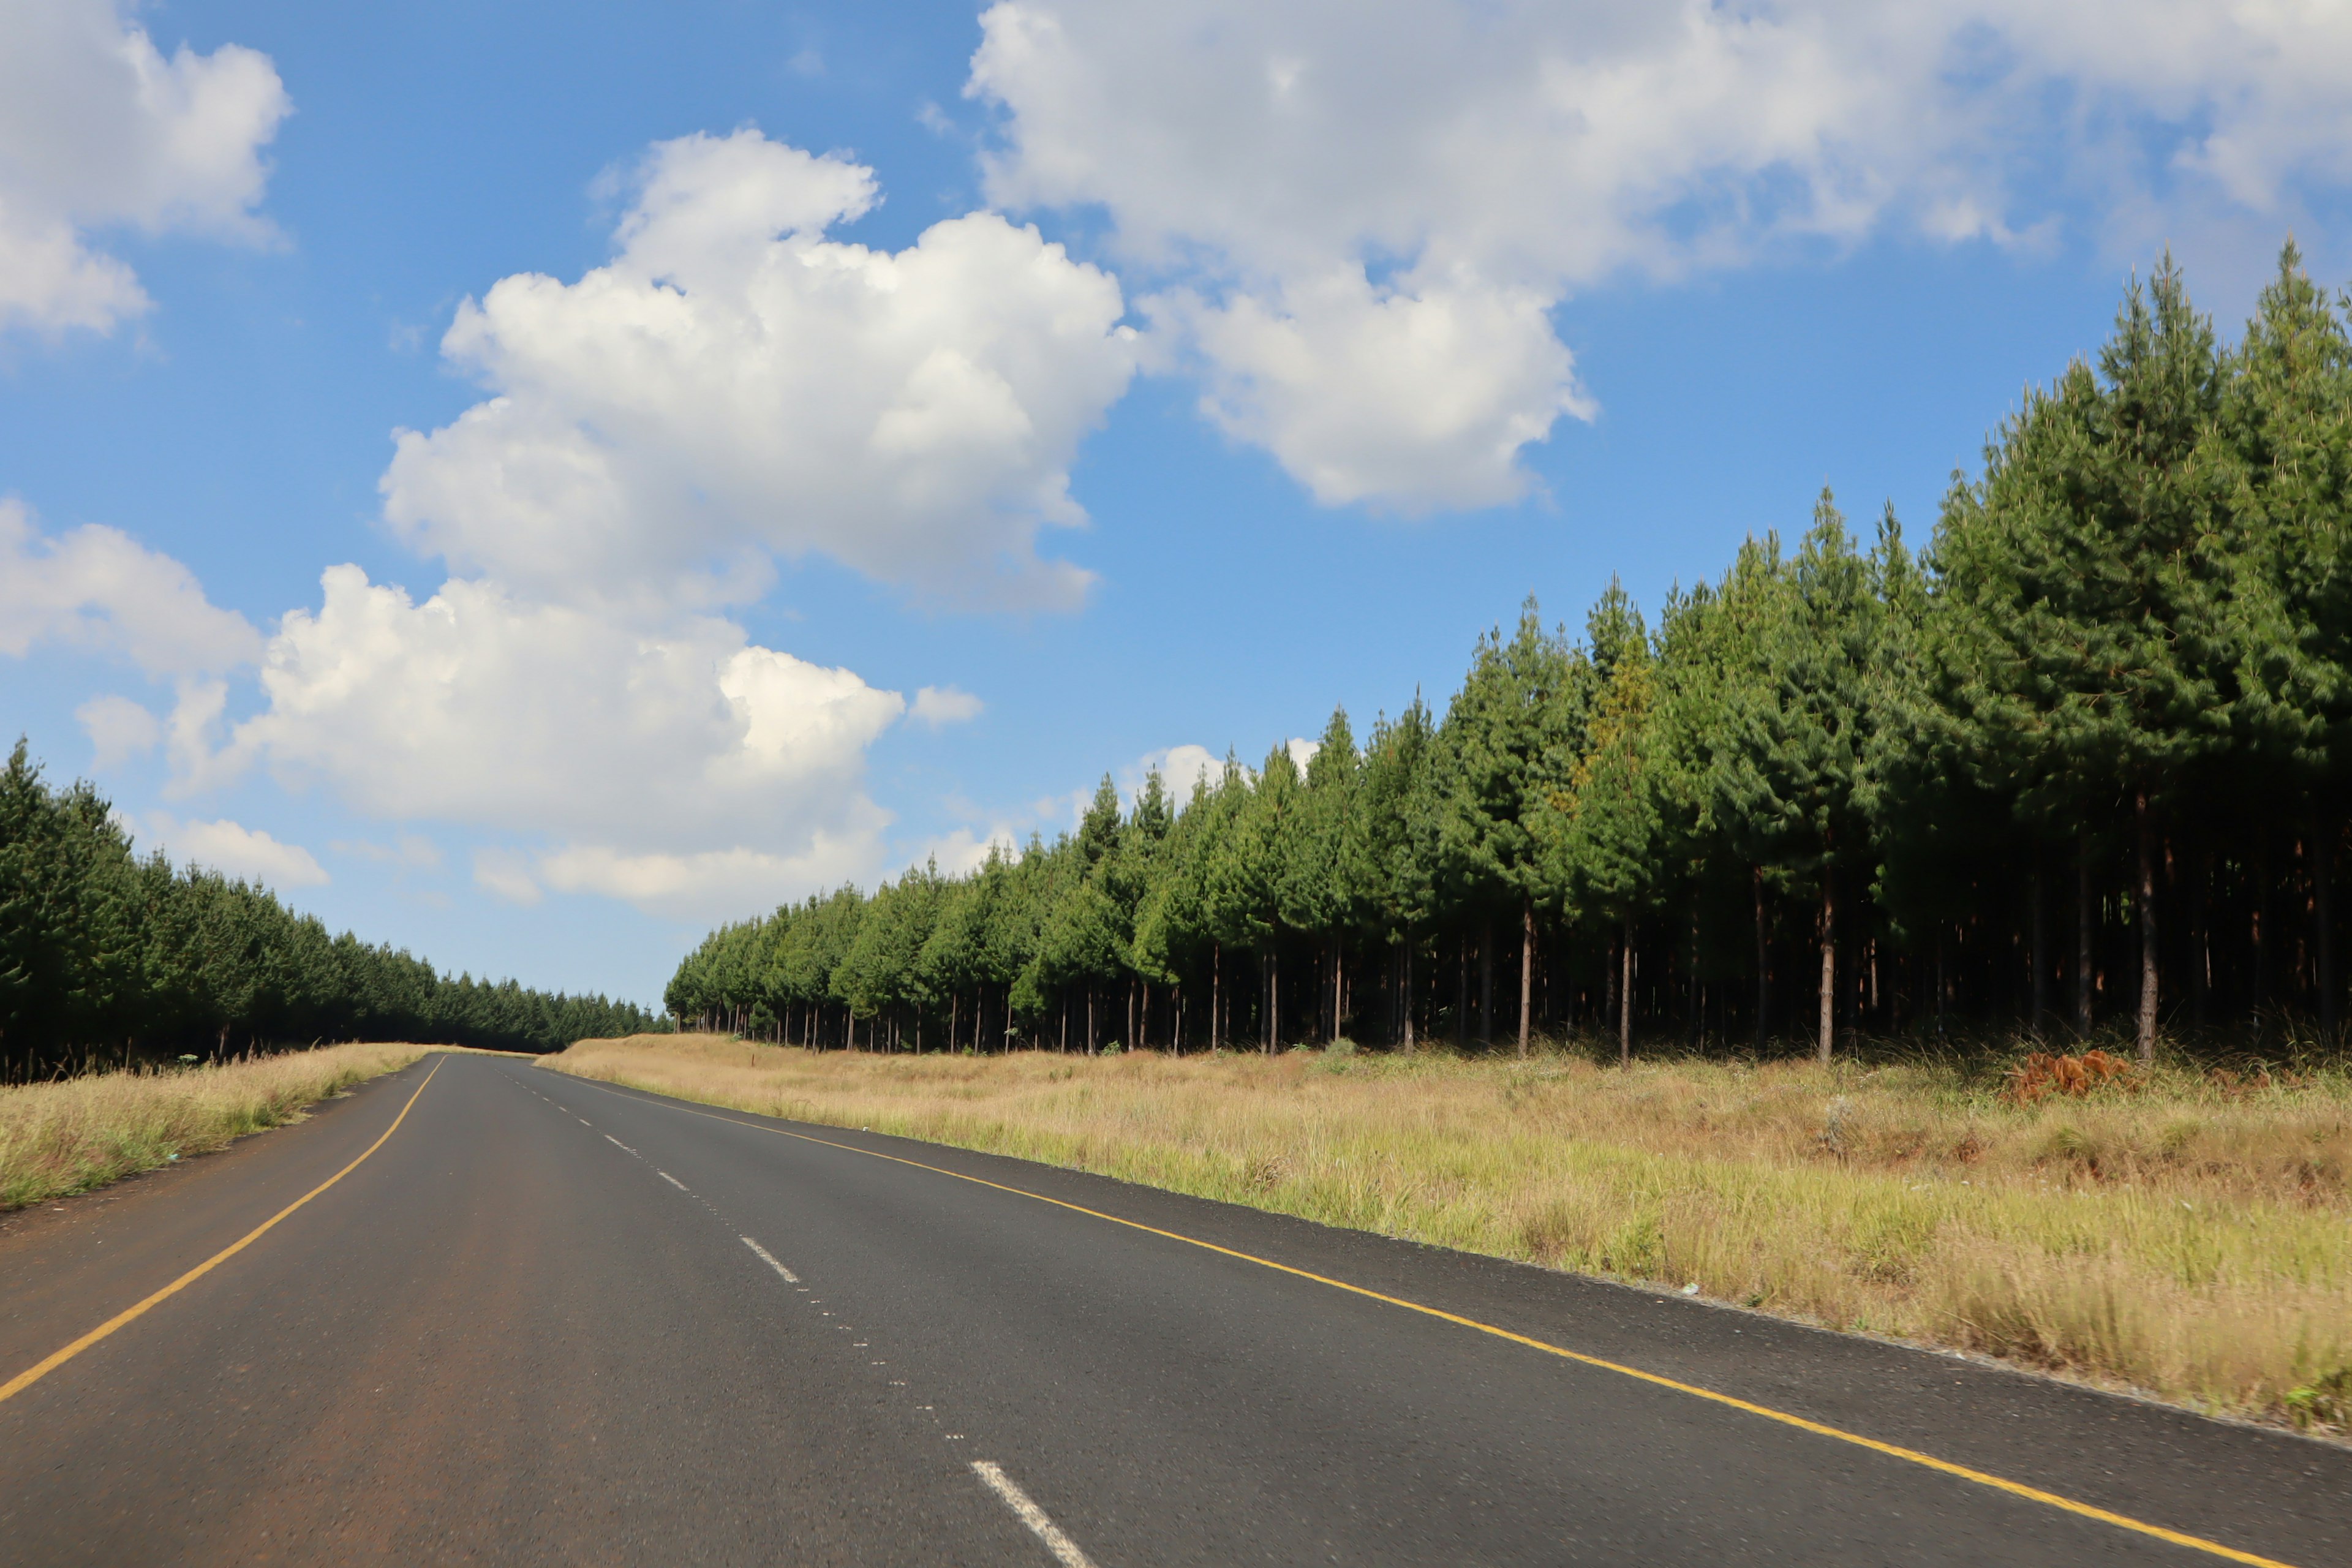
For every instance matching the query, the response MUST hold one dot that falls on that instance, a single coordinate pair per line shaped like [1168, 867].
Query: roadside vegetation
[2180, 1230]
[77, 1133]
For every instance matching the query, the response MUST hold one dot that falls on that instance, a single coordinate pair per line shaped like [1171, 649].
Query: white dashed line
[764, 1256]
[583, 1122]
[617, 1144]
[1065, 1550]
[673, 1180]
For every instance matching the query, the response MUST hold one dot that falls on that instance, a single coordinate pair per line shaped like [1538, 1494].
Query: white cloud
[1302, 751]
[119, 730]
[236, 851]
[1386, 197]
[734, 386]
[677, 765]
[99, 128]
[97, 588]
[1178, 767]
[964, 851]
[1412, 400]
[692, 885]
[938, 705]
[481, 707]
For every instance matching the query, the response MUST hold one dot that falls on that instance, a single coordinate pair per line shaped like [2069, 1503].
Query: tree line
[2077, 766]
[110, 957]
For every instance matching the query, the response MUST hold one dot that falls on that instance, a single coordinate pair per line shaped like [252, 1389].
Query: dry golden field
[70, 1136]
[2185, 1236]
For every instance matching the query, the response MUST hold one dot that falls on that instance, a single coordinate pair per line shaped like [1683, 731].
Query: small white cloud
[938, 705]
[98, 588]
[1302, 751]
[234, 850]
[963, 851]
[808, 63]
[505, 874]
[1179, 767]
[119, 730]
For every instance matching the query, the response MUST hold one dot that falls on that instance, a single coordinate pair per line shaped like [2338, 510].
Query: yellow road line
[1982, 1479]
[47, 1364]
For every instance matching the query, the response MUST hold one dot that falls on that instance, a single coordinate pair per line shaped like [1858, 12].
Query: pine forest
[2077, 768]
[110, 959]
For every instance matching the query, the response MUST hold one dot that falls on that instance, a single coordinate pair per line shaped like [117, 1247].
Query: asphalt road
[528, 1327]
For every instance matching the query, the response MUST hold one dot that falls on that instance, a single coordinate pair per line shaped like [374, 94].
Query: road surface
[547, 1320]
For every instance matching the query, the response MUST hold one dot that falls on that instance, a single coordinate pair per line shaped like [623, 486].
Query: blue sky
[1364, 324]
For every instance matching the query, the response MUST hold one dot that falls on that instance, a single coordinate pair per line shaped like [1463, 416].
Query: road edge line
[55, 1359]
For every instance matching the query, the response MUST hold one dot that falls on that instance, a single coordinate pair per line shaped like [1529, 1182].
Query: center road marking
[1041, 1525]
[673, 1180]
[1820, 1429]
[617, 1144]
[55, 1359]
[764, 1256]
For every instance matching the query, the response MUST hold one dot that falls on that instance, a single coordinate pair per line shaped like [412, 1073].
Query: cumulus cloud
[1384, 199]
[734, 386]
[97, 588]
[678, 765]
[1413, 401]
[475, 706]
[100, 128]
[234, 850]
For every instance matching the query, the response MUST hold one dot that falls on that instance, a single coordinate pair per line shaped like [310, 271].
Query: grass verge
[2186, 1235]
[83, 1132]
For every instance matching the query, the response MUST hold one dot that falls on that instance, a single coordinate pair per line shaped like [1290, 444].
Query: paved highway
[545, 1321]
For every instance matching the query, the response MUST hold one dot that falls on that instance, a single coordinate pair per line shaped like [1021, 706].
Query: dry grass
[2186, 1236]
[68, 1137]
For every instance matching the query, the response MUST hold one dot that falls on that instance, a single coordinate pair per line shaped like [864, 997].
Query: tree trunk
[1829, 968]
[955, 1013]
[2322, 910]
[1462, 992]
[1625, 996]
[1339, 1000]
[1273, 1001]
[1090, 1020]
[1527, 967]
[1486, 984]
[1408, 991]
[1763, 965]
[2083, 931]
[2040, 953]
[2146, 836]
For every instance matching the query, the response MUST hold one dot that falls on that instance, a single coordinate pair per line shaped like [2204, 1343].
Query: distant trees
[2092, 743]
[106, 956]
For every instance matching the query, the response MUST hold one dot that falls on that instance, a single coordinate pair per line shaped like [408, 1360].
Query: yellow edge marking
[1999, 1483]
[41, 1369]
